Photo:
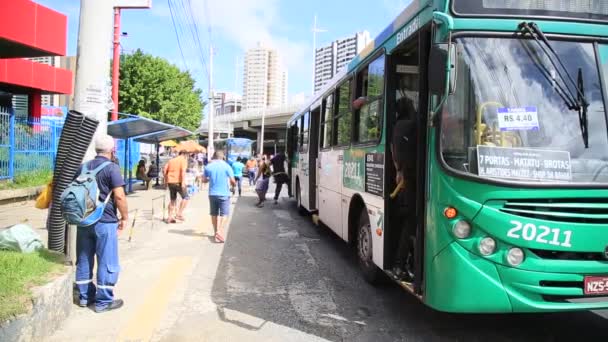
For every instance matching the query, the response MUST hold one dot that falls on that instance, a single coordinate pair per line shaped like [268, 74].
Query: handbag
[43, 201]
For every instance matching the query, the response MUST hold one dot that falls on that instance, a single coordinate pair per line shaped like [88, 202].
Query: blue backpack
[80, 203]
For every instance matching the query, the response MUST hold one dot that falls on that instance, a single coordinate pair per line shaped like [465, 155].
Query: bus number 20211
[540, 234]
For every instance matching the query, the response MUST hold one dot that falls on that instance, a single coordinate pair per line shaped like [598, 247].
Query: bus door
[313, 154]
[406, 100]
[304, 161]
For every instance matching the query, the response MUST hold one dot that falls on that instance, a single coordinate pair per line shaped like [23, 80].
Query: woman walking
[261, 182]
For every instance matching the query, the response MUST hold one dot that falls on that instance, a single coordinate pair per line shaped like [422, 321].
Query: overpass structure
[248, 124]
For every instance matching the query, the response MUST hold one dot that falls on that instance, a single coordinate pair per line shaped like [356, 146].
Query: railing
[27, 147]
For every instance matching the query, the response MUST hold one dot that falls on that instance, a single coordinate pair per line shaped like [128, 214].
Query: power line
[177, 35]
[196, 35]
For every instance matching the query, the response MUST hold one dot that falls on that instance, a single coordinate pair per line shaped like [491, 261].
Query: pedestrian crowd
[105, 198]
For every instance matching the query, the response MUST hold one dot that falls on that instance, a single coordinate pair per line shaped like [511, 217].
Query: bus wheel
[301, 209]
[371, 272]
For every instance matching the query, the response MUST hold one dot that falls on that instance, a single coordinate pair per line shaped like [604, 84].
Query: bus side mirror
[438, 61]
[441, 64]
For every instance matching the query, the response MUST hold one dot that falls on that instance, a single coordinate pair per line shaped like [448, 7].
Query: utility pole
[264, 106]
[315, 30]
[210, 148]
[91, 91]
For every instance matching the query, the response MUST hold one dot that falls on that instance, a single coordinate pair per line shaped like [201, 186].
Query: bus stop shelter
[146, 131]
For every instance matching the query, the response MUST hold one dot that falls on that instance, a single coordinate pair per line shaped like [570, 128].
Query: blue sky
[237, 25]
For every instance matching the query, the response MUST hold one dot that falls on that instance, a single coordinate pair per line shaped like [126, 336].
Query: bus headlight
[461, 229]
[487, 246]
[515, 256]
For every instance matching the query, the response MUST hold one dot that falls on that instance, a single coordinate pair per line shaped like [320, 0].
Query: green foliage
[18, 273]
[28, 179]
[153, 88]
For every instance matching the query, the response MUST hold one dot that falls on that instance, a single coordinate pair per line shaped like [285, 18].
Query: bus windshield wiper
[577, 101]
[582, 114]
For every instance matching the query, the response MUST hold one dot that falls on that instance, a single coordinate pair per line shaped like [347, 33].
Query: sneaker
[401, 275]
[83, 303]
[116, 304]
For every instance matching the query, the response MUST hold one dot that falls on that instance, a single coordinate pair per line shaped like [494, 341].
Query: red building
[31, 30]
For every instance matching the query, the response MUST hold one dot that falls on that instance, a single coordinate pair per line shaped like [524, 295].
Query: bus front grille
[558, 255]
[594, 211]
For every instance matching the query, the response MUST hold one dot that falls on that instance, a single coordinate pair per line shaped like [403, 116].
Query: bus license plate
[596, 285]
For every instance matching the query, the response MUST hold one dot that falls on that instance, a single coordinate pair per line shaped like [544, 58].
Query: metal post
[116, 63]
[211, 106]
[11, 143]
[158, 163]
[264, 109]
[128, 147]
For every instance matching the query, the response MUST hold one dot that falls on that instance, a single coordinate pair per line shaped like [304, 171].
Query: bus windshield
[510, 119]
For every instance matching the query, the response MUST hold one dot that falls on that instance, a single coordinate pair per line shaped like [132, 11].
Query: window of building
[343, 119]
[327, 121]
[370, 88]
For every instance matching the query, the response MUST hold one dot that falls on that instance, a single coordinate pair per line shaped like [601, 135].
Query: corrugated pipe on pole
[73, 145]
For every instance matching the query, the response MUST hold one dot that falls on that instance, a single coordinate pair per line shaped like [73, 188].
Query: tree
[154, 88]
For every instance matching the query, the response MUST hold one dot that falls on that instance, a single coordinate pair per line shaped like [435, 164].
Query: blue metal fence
[6, 143]
[35, 145]
[27, 147]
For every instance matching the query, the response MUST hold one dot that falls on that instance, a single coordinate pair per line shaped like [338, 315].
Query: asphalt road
[280, 268]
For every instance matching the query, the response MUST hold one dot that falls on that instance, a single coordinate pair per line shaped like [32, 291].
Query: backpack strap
[98, 169]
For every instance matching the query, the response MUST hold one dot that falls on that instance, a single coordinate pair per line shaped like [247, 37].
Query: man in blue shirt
[101, 239]
[220, 177]
[238, 167]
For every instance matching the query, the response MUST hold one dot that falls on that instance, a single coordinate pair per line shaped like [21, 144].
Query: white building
[264, 79]
[332, 58]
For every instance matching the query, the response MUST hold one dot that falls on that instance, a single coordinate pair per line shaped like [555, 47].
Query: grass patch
[19, 273]
[28, 180]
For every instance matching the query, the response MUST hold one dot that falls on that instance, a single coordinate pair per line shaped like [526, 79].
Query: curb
[51, 305]
[17, 194]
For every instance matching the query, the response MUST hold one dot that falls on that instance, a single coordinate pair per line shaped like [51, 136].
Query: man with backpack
[99, 186]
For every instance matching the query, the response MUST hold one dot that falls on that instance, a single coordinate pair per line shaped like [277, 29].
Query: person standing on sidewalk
[101, 239]
[279, 172]
[237, 168]
[175, 179]
[261, 182]
[251, 168]
[220, 177]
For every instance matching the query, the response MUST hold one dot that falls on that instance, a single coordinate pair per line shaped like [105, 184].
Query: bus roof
[381, 41]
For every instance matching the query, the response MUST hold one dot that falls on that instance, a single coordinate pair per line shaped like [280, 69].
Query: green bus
[504, 205]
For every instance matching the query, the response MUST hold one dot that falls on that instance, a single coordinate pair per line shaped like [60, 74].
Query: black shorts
[176, 188]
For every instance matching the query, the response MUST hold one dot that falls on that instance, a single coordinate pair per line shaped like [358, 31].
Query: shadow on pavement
[280, 268]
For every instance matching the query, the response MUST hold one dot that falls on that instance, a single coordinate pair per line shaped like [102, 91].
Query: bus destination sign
[374, 174]
[581, 9]
[523, 164]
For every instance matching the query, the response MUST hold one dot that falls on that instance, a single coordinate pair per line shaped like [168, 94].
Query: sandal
[180, 218]
[219, 238]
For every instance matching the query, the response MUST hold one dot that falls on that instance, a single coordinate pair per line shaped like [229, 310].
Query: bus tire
[301, 209]
[371, 272]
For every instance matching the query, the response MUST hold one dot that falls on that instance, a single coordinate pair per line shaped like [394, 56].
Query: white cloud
[246, 22]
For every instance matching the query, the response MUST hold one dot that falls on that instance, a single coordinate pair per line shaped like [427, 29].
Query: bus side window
[369, 105]
[344, 116]
[326, 122]
[304, 132]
